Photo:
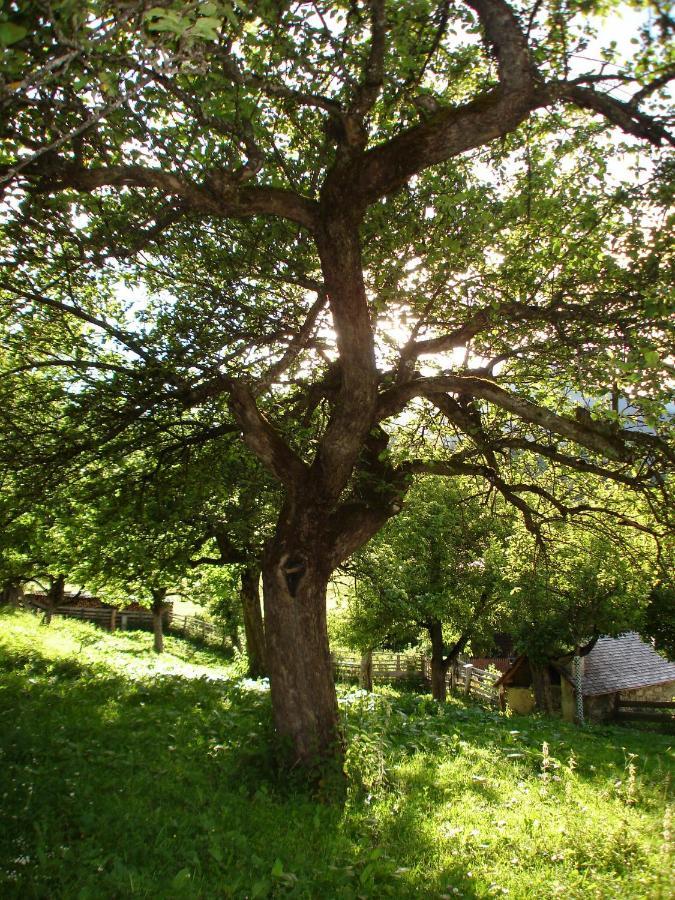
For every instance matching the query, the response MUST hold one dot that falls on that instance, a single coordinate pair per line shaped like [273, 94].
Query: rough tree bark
[295, 579]
[55, 597]
[253, 621]
[366, 670]
[158, 609]
[439, 665]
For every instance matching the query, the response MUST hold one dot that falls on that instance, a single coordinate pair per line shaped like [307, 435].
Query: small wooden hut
[620, 669]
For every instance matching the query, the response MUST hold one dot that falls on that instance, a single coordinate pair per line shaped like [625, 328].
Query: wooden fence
[645, 710]
[386, 666]
[481, 684]
[462, 676]
[103, 616]
[199, 629]
[191, 627]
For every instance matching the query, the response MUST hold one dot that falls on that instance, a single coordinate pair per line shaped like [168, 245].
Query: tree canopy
[297, 222]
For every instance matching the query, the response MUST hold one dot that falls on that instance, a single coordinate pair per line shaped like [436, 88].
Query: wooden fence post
[468, 668]
[113, 620]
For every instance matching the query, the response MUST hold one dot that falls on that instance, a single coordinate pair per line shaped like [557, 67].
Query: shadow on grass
[163, 788]
[169, 787]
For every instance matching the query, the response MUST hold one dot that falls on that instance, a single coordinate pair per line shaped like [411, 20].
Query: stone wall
[600, 708]
[653, 692]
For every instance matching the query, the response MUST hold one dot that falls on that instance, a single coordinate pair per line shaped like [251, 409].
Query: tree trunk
[158, 630]
[438, 664]
[253, 622]
[235, 640]
[11, 594]
[55, 597]
[366, 670]
[158, 609]
[304, 705]
[541, 683]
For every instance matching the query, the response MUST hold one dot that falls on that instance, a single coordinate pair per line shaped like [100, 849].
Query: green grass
[122, 775]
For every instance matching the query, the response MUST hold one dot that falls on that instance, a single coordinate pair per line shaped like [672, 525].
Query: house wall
[520, 700]
[568, 704]
[602, 708]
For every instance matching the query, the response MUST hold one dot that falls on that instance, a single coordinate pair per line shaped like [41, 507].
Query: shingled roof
[624, 663]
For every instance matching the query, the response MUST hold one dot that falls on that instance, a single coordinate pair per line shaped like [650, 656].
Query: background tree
[303, 203]
[585, 585]
[660, 618]
[435, 568]
[133, 542]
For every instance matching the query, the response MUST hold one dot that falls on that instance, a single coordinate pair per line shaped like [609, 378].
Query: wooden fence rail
[386, 666]
[188, 626]
[645, 710]
[201, 629]
[463, 676]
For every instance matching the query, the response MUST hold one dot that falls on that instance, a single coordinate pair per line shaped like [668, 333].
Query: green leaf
[260, 889]
[171, 22]
[277, 869]
[230, 16]
[652, 358]
[180, 879]
[11, 33]
[157, 12]
[206, 27]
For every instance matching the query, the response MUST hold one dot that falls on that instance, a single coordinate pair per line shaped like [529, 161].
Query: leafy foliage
[439, 560]
[365, 240]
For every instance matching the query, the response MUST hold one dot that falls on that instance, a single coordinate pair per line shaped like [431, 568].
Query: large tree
[261, 218]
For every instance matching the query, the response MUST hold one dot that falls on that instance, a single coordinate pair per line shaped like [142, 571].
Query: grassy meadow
[127, 775]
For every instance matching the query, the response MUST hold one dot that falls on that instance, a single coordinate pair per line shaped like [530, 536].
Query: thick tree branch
[220, 194]
[373, 76]
[355, 403]
[449, 132]
[624, 115]
[504, 33]
[615, 444]
[264, 440]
